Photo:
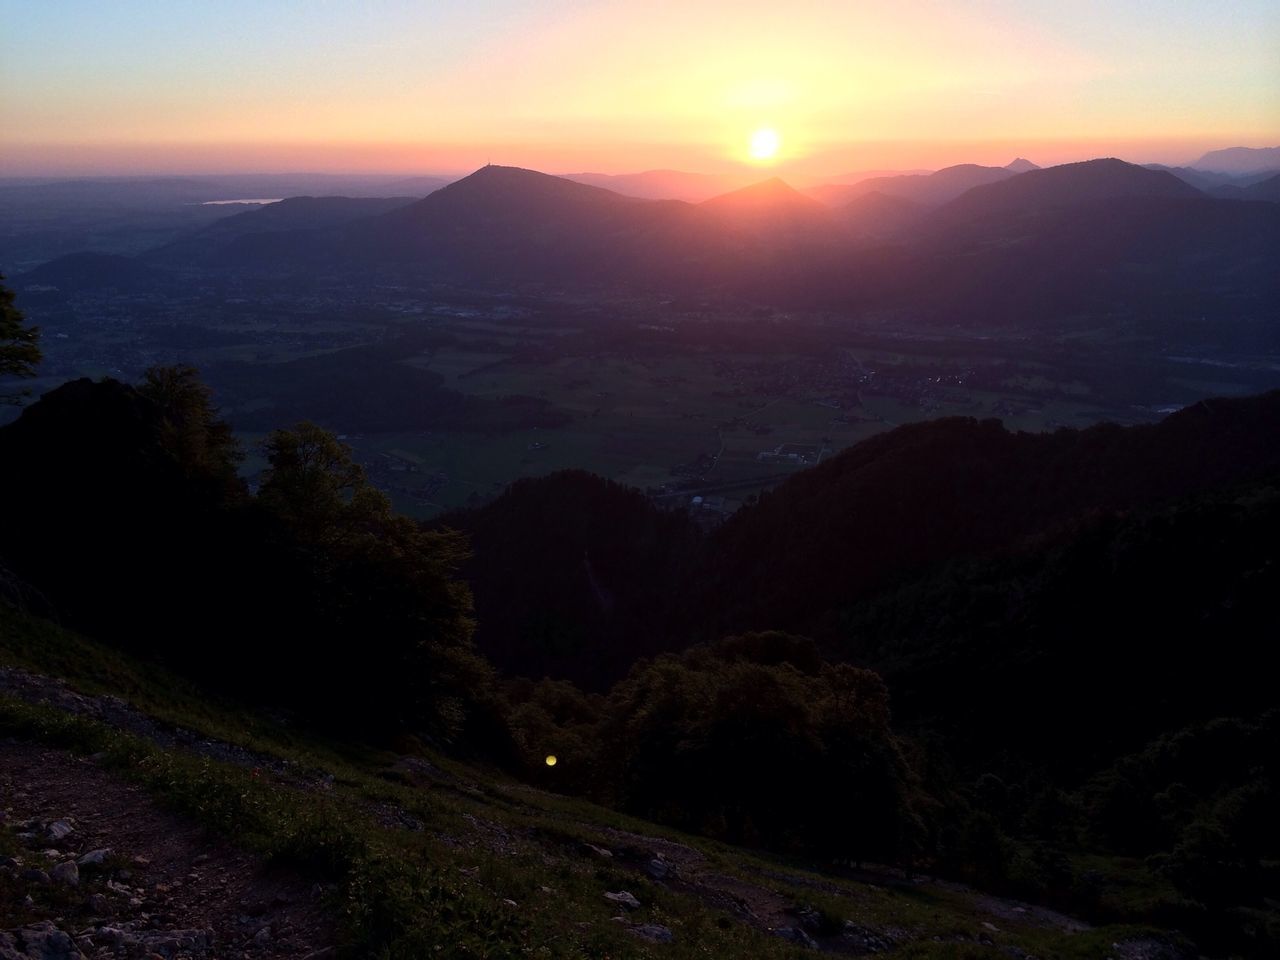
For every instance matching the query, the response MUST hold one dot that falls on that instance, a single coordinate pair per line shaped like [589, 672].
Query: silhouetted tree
[388, 624]
[19, 344]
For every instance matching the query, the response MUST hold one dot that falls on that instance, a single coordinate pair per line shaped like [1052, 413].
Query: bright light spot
[551, 760]
[765, 143]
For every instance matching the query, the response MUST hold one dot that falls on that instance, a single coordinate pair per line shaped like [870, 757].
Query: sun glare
[764, 144]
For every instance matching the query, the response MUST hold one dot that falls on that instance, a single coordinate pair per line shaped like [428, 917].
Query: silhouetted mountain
[663, 184]
[935, 188]
[1080, 245]
[773, 210]
[288, 215]
[1021, 165]
[1066, 185]
[877, 215]
[506, 222]
[1267, 190]
[91, 271]
[895, 504]
[1240, 160]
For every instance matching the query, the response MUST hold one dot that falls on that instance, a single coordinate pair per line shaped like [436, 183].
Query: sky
[172, 86]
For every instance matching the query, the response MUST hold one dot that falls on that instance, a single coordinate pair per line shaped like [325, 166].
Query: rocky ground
[97, 870]
[91, 867]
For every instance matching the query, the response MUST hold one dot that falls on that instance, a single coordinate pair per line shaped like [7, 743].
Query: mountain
[663, 184]
[1066, 185]
[289, 215]
[904, 500]
[1240, 160]
[507, 222]
[876, 214]
[1021, 165]
[91, 271]
[1096, 238]
[1267, 189]
[936, 188]
[771, 209]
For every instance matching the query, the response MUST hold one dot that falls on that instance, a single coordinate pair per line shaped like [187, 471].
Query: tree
[19, 345]
[203, 445]
[379, 613]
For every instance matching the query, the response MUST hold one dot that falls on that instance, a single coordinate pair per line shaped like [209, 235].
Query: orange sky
[622, 86]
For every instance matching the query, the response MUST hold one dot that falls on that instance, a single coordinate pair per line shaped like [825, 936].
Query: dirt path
[166, 888]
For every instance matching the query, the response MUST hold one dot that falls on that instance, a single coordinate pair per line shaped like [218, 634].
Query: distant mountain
[511, 223]
[91, 271]
[933, 189]
[1100, 237]
[1065, 185]
[664, 184]
[771, 209]
[876, 214]
[1240, 160]
[289, 215]
[1267, 189]
[1021, 165]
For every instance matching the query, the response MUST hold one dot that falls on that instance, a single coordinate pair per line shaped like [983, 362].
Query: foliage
[752, 739]
[19, 344]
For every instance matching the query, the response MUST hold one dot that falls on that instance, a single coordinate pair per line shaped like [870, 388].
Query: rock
[33, 875]
[866, 939]
[38, 941]
[9, 862]
[657, 868]
[990, 926]
[624, 898]
[94, 858]
[510, 903]
[59, 830]
[797, 936]
[66, 873]
[595, 851]
[262, 936]
[98, 904]
[653, 932]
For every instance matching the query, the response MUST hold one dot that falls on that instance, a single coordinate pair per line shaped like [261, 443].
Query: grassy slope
[480, 839]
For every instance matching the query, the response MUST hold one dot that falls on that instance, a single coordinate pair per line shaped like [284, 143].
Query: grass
[443, 890]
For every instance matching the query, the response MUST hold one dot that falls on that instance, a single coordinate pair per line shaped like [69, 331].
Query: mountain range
[969, 244]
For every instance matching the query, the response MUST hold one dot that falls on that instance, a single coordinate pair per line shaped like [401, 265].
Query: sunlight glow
[551, 760]
[765, 143]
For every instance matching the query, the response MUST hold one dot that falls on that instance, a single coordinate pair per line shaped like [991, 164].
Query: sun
[765, 143]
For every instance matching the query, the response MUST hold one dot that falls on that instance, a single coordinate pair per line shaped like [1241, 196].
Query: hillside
[301, 672]
[372, 852]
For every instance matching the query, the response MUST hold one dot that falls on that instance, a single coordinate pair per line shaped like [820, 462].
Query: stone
[94, 858]
[624, 898]
[654, 932]
[658, 868]
[33, 875]
[59, 830]
[595, 851]
[797, 936]
[98, 904]
[66, 873]
[39, 941]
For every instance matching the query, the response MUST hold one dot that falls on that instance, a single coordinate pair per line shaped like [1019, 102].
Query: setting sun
[765, 143]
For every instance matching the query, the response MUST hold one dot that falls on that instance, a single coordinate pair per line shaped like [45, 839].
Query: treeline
[125, 518]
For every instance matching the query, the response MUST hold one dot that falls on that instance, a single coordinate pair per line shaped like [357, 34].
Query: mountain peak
[1021, 165]
[767, 193]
